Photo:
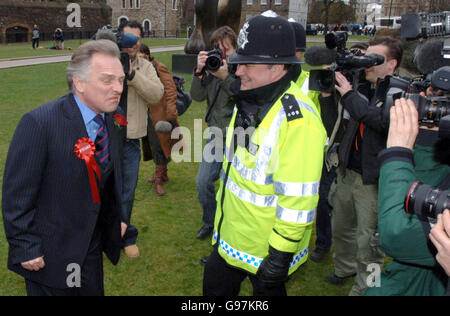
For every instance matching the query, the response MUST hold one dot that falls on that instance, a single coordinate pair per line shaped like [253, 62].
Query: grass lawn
[25, 49]
[170, 252]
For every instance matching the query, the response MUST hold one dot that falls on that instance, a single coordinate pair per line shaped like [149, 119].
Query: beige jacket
[144, 89]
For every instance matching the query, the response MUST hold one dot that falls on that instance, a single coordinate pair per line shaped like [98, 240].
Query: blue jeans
[324, 209]
[131, 160]
[207, 174]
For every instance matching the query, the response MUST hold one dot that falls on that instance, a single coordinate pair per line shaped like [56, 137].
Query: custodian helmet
[265, 40]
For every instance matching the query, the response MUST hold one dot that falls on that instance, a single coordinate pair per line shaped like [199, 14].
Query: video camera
[122, 40]
[350, 63]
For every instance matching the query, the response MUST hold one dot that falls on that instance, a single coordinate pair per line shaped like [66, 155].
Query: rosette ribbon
[85, 150]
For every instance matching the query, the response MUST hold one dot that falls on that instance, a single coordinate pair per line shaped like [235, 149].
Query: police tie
[102, 142]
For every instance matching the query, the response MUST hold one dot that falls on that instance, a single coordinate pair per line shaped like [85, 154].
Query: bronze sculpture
[212, 14]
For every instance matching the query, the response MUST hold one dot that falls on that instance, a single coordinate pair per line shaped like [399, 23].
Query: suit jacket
[47, 202]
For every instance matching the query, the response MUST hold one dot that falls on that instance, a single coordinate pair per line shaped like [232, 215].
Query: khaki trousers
[354, 227]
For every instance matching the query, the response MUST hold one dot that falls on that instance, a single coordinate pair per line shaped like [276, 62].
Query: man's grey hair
[80, 65]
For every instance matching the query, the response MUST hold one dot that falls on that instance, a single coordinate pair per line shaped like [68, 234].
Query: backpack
[184, 100]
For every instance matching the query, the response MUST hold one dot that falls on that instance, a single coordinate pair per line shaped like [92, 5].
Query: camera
[432, 109]
[426, 201]
[214, 60]
[350, 63]
[122, 40]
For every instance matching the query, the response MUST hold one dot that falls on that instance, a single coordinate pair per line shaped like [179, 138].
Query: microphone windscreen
[429, 57]
[129, 40]
[163, 127]
[105, 34]
[319, 55]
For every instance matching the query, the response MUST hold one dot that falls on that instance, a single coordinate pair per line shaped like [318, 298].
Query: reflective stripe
[249, 174]
[297, 189]
[240, 255]
[307, 106]
[298, 257]
[252, 260]
[295, 216]
[250, 197]
[258, 173]
[305, 86]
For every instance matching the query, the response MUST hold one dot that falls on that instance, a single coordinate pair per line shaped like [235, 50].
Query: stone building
[17, 18]
[161, 18]
[400, 7]
[296, 9]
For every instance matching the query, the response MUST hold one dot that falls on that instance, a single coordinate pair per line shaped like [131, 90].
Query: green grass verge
[24, 50]
[170, 252]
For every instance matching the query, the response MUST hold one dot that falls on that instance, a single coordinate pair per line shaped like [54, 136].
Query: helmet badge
[243, 36]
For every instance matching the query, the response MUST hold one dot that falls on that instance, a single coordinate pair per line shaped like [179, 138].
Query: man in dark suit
[62, 182]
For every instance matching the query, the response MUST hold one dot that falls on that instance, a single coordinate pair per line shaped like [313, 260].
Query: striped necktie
[102, 142]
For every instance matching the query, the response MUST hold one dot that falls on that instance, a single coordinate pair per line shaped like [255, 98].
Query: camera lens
[213, 63]
[426, 201]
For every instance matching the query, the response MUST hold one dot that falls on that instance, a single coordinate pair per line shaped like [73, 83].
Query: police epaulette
[291, 107]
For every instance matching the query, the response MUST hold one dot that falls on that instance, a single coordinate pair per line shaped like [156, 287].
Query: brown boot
[165, 178]
[159, 180]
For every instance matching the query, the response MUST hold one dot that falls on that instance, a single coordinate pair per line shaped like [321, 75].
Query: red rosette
[120, 119]
[85, 150]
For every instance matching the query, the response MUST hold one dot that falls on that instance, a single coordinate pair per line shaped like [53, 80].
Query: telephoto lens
[426, 201]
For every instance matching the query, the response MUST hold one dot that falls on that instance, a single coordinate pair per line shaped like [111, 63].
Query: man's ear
[393, 63]
[78, 84]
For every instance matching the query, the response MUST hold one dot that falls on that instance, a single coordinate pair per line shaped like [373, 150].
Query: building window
[263, 2]
[277, 2]
[138, 4]
[174, 4]
[124, 4]
[131, 4]
[249, 2]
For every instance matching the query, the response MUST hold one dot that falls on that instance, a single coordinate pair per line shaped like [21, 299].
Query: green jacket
[414, 271]
[268, 193]
[218, 96]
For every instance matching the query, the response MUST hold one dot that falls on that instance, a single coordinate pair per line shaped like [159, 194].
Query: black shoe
[204, 260]
[204, 232]
[318, 254]
[335, 280]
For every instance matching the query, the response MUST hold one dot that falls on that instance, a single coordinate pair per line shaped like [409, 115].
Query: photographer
[414, 270]
[214, 87]
[354, 193]
[144, 88]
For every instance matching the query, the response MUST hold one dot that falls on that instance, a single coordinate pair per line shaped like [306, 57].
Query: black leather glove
[275, 267]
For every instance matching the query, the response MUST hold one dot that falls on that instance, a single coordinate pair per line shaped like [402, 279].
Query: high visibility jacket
[269, 190]
[303, 83]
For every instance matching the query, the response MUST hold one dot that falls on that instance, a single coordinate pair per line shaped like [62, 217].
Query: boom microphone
[429, 57]
[319, 55]
[163, 127]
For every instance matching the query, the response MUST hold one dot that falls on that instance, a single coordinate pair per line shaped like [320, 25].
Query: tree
[340, 13]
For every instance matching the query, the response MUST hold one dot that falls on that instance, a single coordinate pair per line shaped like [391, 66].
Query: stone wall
[162, 17]
[20, 17]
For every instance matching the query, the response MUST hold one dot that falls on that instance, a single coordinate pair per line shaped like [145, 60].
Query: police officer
[273, 159]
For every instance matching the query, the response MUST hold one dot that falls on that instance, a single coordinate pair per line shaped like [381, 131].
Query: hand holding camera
[404, 124]
[440, 236]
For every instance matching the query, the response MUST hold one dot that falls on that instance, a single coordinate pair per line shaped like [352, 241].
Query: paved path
[11, 63]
